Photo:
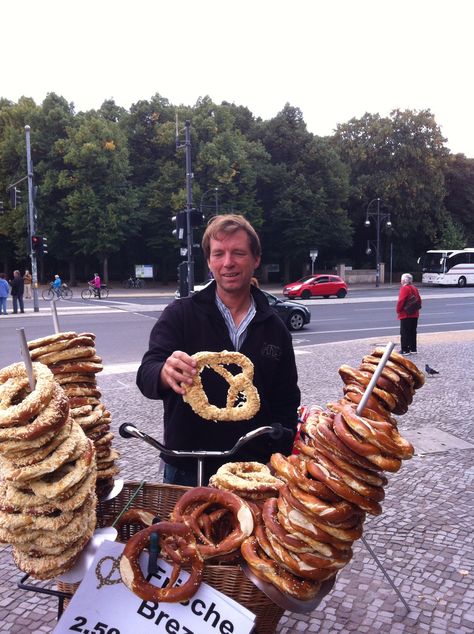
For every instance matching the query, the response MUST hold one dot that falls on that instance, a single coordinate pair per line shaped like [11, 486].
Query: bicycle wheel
[48, 294]
[104, 293]
[66, 293]
[86, 293]
[140, 283]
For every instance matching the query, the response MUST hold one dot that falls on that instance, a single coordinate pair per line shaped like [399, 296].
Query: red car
[316, 286]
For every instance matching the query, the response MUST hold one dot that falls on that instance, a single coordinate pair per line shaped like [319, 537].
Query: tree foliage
[108, 182]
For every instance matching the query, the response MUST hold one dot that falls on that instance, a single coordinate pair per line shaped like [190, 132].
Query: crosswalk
[93, 308]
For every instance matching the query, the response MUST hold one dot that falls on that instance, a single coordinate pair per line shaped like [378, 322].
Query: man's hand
[178, 368]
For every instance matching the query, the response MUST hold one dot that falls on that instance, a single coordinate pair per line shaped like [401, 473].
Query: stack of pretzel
[337, 477]
[395, 387]
[206, 524]
[73, 360]
[310, 511]
[47, 474]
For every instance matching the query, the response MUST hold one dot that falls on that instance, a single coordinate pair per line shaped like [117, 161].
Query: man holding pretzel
[229, 314]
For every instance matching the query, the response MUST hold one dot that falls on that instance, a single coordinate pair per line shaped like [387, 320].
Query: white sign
[313, 254]
[144, 270]
[104, 605]
[273, 268]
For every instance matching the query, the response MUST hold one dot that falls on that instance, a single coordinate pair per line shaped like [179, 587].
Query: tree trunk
[105, 270]
[286, 269]
[72, 273]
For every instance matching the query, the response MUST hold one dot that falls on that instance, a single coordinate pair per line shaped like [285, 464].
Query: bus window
[432, 263]
[459, 258]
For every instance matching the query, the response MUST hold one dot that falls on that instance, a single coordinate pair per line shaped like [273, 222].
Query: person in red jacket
[95, 284]
[408, 315]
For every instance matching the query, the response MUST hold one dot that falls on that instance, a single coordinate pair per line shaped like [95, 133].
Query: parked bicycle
[133, 282]
[64, 292]
[91, 292]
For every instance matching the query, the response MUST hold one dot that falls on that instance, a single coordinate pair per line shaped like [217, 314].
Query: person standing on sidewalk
[408, 307]
[228, 314]
[17, 292]
[27, 279]
[4, 293]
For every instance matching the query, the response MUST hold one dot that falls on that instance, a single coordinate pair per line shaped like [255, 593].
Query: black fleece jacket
[195, 324]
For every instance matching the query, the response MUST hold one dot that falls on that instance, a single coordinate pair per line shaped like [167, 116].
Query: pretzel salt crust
[13, 389]
[246, 477]
[240, 387]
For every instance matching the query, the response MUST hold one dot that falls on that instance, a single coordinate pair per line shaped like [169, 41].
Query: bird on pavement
[430, 371]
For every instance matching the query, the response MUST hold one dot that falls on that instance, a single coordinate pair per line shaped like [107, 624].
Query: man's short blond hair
[228, 224]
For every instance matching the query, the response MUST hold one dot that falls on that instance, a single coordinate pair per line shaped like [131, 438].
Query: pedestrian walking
[17, 292]
[4, 293]
[408, 307]
[27, 279]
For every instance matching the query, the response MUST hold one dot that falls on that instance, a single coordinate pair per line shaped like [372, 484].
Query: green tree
[399, 159]
[48, 130]
[459, 201]
[13, 223]
[99, 206]
[303, 194]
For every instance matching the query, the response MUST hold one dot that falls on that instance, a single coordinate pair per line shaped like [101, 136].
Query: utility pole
[31, 220]
[379, 217]
[189, 206]
[189, 203]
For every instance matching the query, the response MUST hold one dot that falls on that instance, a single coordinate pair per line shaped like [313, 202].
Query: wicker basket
[68, 588]
[228, 579]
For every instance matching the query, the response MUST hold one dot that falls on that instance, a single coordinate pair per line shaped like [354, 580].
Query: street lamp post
[379, 218]
[216, 194]
[31, 220]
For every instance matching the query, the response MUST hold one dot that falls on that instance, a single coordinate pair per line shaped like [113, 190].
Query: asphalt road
[123, 322]
[422, 540]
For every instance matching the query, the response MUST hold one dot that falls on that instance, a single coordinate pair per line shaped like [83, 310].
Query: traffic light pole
[189, 206]
[31, 220]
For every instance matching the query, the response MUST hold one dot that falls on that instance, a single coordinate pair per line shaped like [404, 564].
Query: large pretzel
[242, 397]
[176, 541]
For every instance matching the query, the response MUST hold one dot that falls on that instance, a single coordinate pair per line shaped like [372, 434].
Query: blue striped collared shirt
[237, 335]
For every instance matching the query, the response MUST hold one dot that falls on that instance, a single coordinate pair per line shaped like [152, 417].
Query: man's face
[232, 262]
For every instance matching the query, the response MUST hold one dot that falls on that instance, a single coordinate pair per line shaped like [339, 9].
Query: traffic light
[44, 245]
[181, 223]
[197, 218]
[183, 285]
[37, 244]
[2, 210]
[15, 197]
[181, 226]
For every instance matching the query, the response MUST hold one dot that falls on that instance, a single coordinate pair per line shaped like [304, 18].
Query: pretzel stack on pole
[47, 473]
[72, 359]
[295, 524]
[336, 479]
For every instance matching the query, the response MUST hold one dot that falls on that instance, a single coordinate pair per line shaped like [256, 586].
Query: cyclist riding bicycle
[56, 285]
[95, 285]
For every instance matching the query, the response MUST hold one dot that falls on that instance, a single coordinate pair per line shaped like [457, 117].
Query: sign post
[313, 254]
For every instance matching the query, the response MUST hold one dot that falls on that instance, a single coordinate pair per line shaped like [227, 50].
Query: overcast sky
[333, 59]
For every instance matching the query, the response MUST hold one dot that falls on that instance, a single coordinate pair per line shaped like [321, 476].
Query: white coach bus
[448, 267]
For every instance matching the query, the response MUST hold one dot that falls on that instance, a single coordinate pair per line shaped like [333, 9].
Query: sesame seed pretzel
[240, 387]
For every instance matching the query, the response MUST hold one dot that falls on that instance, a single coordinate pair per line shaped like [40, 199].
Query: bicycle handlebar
[276, 431]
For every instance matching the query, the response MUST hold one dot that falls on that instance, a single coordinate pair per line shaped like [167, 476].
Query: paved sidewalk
[423, 538]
